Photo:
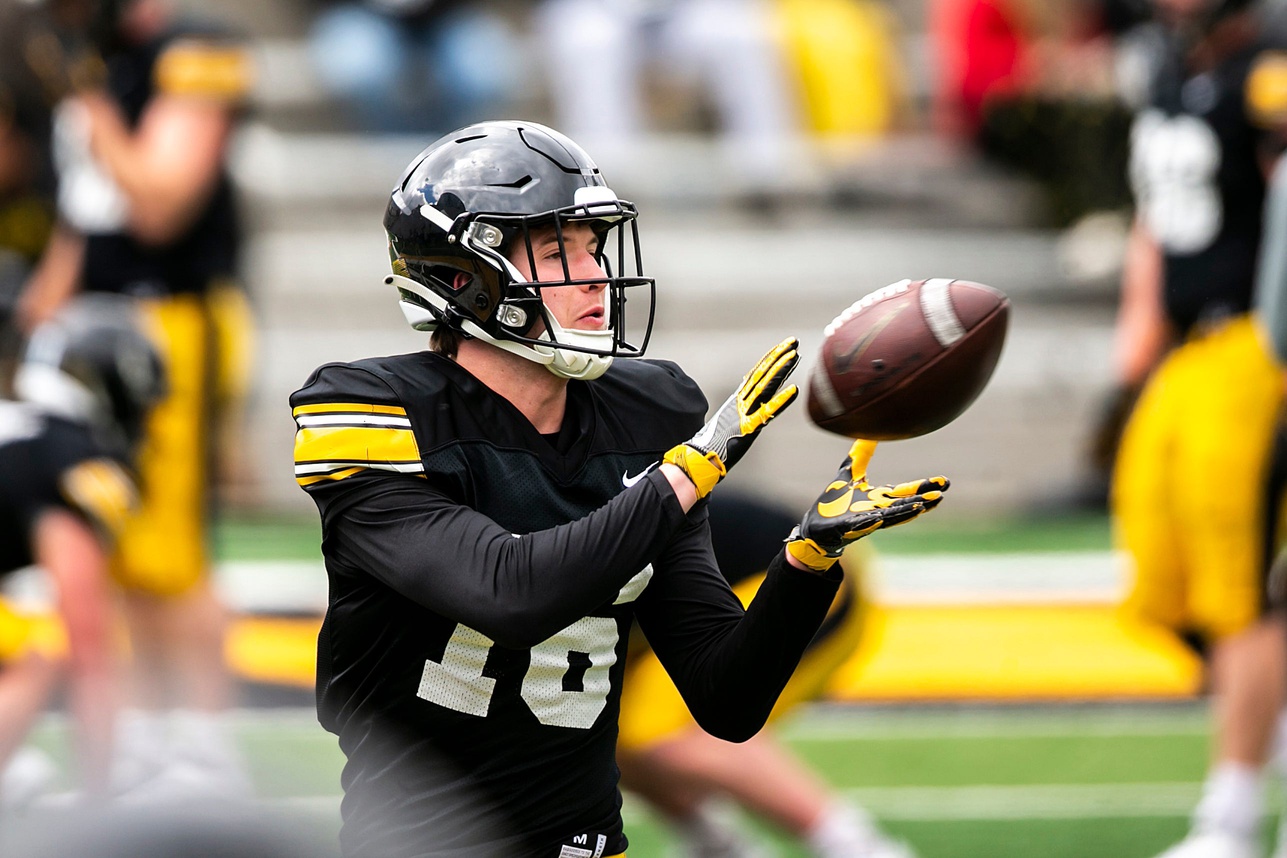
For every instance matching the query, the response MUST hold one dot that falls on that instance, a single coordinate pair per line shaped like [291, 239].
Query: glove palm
[851, 508]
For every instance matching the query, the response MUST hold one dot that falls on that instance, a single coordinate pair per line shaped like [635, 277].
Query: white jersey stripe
[353, 419]
[310, 468]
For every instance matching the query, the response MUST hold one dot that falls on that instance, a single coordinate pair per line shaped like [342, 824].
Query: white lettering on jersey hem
[574, 852]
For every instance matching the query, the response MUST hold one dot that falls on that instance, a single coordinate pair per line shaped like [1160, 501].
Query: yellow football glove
[850, 509]
[708, 455]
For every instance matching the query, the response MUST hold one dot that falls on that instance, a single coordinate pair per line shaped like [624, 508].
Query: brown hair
[445, 341]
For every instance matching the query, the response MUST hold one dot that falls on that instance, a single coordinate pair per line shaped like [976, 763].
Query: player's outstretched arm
[850, 509]
[707, 457]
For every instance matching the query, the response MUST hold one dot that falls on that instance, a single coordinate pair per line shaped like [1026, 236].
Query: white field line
[918, 579]
[1041, 801]
[1072, 577]
[956, 804]
[838, 723]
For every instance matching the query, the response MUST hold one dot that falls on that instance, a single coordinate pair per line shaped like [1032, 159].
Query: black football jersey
[1199, 184]
[483, 583]
[47, 462]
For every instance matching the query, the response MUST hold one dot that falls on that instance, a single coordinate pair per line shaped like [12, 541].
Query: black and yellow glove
[708, 455]
[850, 509]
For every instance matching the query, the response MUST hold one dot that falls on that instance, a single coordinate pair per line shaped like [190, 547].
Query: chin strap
[565, 363]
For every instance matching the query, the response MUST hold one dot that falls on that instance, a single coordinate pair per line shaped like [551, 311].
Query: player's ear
[460, 280]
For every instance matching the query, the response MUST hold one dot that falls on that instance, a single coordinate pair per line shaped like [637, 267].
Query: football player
[1214, 122]
[686, 775]
[498, 511]
[146, 209]
[86, 382]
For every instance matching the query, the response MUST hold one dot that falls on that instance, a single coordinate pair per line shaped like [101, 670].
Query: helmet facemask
[508, 309]
[469, 206]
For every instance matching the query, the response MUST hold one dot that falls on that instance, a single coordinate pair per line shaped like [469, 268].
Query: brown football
[907, 359]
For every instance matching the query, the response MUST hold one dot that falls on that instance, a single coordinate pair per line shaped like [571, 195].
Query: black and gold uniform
[197, 313]
[745, 532]
[47, 462]
[188, 63]
[1210, 410]
[484, 580]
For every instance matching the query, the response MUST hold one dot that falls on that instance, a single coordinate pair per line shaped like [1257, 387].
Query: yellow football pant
[15, 633]
[163, 549]
[653, 711]
[1190, 494]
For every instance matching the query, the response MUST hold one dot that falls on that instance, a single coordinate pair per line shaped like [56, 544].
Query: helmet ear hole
[460, 280]
[451, 205]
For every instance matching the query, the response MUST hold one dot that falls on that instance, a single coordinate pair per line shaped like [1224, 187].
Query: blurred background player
[688, 776]
[146, 209]
[1209, 408]
[86, 383]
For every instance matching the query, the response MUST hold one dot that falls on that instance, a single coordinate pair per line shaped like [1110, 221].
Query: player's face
[575, 307]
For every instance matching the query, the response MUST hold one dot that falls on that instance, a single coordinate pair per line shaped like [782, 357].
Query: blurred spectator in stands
[146, 209]
[1031, 85]
[847, 63]
[416, 65]
[598, 52]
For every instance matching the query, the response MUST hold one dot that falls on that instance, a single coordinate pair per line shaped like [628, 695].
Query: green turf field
[1109, 781]
[298, 538]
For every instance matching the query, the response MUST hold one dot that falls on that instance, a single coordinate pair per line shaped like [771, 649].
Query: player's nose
[587, 268]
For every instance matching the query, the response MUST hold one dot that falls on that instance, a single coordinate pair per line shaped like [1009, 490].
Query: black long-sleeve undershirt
[519, 590]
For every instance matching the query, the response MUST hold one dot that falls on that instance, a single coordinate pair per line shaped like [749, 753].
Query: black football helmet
[92, 363]
[468, 200]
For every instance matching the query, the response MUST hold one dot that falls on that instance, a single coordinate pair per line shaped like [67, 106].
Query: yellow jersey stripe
[100, 488]
[307, 475]
[349, 408]
[355, 444]
[335, 475]
[1266, 90]
[206, 70]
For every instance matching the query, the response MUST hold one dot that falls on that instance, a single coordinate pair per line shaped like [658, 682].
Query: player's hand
[850, 509]
[708, 455]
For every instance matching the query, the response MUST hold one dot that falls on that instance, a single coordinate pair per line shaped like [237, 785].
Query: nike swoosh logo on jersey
[628, 481]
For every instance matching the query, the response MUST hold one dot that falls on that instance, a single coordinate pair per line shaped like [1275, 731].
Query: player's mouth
[592, 319]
